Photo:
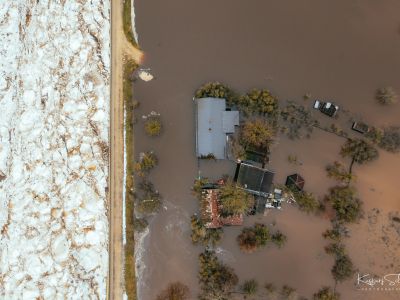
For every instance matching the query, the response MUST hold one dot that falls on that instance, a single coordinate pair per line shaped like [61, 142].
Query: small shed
[295, 181]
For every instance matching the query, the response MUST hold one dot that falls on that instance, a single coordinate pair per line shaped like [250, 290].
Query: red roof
[211, 211]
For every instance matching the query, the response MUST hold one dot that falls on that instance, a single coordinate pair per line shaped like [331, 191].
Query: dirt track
[119, 48]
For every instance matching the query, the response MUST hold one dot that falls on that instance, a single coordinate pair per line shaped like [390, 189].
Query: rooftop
[213, 123]
[253, 179]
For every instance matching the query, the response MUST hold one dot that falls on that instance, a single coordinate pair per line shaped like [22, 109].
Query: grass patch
[129, 106]
[127, 22]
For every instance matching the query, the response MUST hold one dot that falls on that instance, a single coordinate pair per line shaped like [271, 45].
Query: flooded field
[338, 50]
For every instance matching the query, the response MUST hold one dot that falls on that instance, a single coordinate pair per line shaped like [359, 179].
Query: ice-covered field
[54, 121]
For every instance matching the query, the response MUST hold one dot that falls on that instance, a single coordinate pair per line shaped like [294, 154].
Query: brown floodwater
[341, 50]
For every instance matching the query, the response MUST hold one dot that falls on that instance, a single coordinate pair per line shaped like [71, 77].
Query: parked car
[328, 108]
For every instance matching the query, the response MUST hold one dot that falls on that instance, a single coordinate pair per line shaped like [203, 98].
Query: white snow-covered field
[54, 122]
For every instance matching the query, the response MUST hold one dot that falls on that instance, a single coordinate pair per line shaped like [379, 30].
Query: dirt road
[119, 48]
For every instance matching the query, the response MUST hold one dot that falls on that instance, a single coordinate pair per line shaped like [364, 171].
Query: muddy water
[342, 50]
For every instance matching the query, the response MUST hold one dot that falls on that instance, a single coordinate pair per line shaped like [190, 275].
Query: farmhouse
[213, 125]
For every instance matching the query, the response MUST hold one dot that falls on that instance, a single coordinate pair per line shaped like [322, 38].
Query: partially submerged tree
[347, 206]
[338, 172]
[174, 291]
[259, 101]
[234, 200]
[252, 238]
[216, 279]
[216, 90]
[153, 125]
[202, 235]
[386, 96]
[359, 151]
[250, 287]
[257, 133]
[326, 293]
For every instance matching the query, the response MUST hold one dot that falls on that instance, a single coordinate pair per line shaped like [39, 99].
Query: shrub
[216, 279]
[202, 235]
[153, 125]
[250, 287]
[326, 293]
[174, 291]
[252, 238]
[386, 96]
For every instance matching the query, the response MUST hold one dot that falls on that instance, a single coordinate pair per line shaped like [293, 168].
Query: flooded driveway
[341, 50]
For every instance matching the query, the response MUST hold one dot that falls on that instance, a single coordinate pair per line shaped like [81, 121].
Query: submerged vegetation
[359, 151]
[326, 293]
[217, 280]
[252, 238]
[298, 119]
[386, 96]
[202, 235]
[153, 125]
[347, 206]
[174, 291]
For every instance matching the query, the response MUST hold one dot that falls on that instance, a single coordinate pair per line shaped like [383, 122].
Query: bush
[250, 287]
[279, 239]
[216, 279]
[202, 235]
[153, 125]
[390, 140]
[326, 293]
[252, 238]
[386, 96]
[174, 291]
[257, 133]
[216, 90]
[259, 101]
[346, 205]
